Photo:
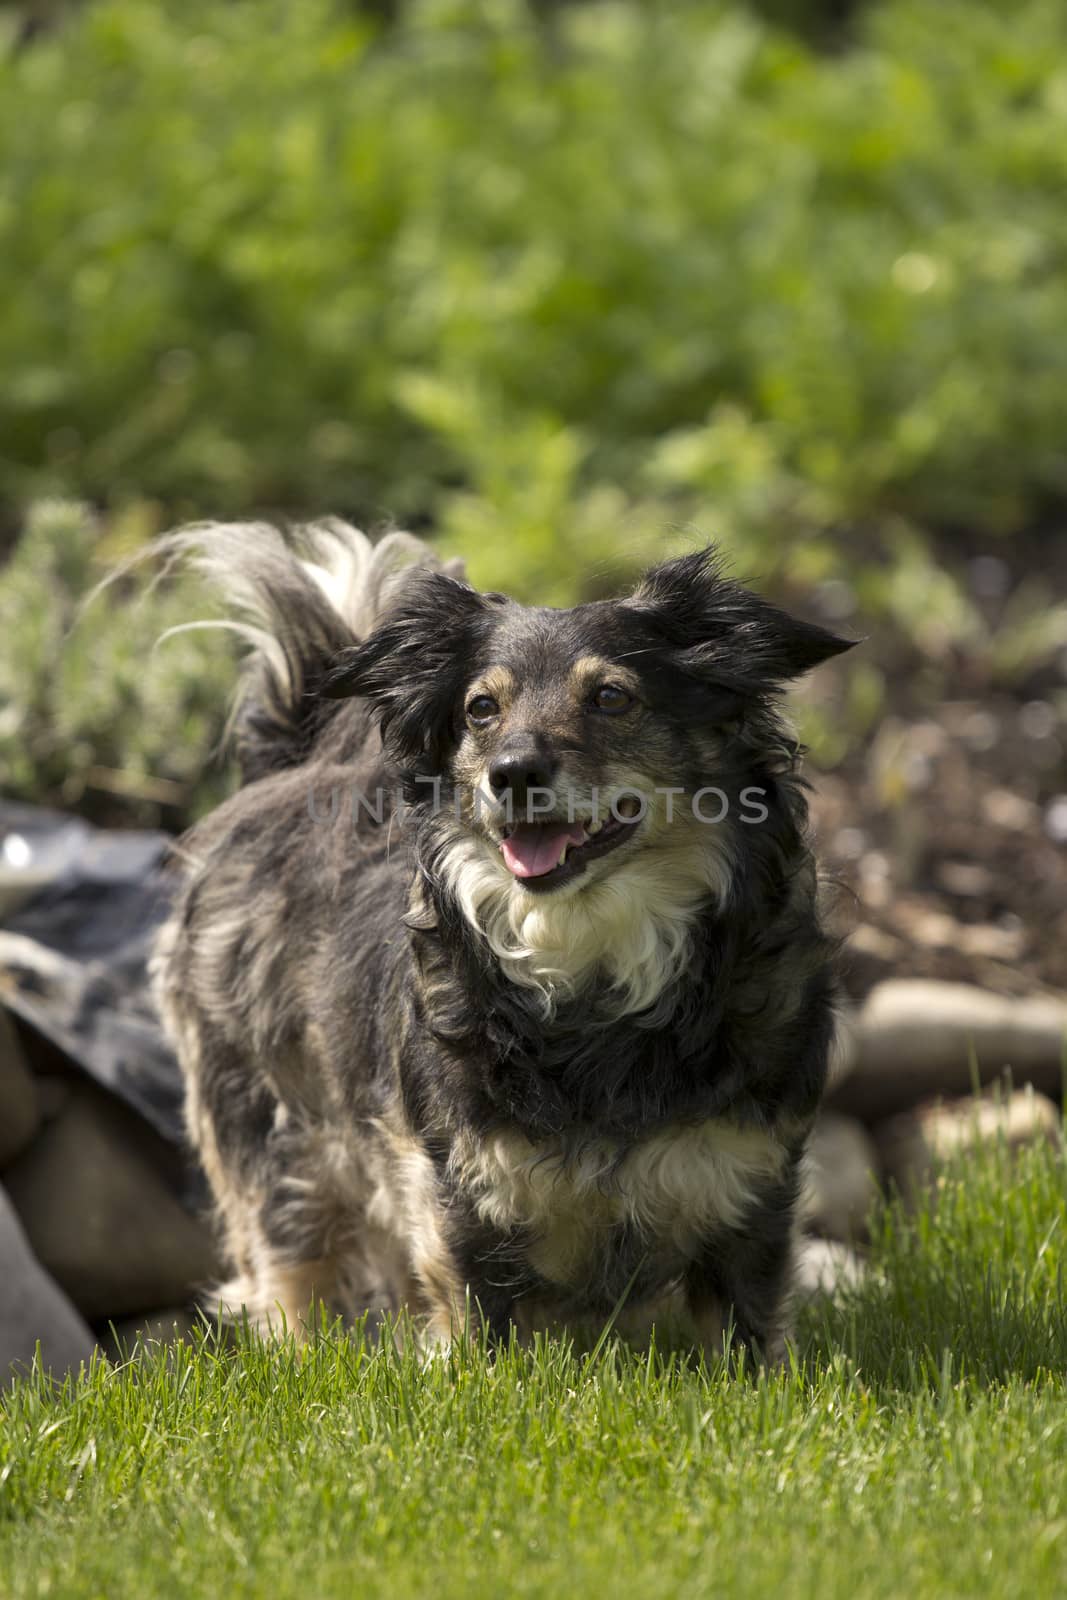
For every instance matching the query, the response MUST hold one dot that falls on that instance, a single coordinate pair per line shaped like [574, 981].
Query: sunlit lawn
[918, 1446]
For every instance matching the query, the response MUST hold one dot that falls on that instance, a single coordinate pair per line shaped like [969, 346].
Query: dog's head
[567, 742]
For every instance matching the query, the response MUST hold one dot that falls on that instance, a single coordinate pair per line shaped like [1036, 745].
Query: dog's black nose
[516, 772]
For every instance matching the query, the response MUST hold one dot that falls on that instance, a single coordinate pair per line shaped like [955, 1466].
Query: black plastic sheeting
[79, 911]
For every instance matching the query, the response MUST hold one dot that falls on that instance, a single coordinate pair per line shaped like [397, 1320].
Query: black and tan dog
[500, 984]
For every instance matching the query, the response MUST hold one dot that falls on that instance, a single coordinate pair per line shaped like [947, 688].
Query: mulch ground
[947, 829]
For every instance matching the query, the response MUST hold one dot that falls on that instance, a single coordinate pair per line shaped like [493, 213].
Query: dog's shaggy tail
[297, 599]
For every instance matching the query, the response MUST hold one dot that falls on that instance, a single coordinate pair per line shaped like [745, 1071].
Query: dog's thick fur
[419, 1078]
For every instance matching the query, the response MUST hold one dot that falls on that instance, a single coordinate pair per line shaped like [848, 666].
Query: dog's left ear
[413, 666]
[720, 628]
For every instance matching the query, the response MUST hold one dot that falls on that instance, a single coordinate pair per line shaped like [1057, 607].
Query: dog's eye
[610, 698]
[482, 708]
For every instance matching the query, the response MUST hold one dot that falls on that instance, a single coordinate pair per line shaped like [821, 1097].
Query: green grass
[916, 1447]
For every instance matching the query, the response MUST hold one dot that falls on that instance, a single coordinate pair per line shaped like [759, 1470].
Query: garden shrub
[567, 293]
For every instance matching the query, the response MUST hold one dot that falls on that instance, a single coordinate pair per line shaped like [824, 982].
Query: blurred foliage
[568, 284]
[238, 239]
[93, 715]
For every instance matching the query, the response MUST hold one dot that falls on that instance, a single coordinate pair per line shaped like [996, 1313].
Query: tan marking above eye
[591, 673]
[496, 682]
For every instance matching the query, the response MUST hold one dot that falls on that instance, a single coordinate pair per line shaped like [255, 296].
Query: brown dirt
[947, 827]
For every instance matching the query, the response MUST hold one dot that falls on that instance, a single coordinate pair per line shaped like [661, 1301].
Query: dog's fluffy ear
[414, 664]
[721, 629]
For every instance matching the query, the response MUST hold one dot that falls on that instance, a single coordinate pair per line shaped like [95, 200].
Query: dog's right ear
[414, 665]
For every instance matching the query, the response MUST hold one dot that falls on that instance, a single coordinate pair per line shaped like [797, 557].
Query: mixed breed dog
[530, 1030]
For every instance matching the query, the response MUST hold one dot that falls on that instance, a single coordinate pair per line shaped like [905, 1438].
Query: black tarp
[79, 910]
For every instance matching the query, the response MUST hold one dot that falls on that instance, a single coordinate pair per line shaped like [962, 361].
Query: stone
[965, 879]
[917, 1040]
[97, 1193]
[914, 1143]
[18, 1100]
[1005, 809]
[840, 1178]
[826, 1267]
[33, 1307]
[53, 1093]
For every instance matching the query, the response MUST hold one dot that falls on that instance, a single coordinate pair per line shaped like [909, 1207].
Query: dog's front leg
[465, 1282]
[482, 1299]
[454, 1308]
[740, 1283]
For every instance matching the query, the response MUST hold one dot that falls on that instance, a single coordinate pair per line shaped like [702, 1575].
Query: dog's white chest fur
[672, 1188]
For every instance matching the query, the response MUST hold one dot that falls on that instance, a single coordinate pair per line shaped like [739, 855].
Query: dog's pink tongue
[534, 848]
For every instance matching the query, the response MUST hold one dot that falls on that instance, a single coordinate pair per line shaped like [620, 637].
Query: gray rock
[840, 1178]
[33, 1307]
[18, 1100]
[917, 1040]
[825, 1267]
[914, 1144]
[53, 1093]
[97, 1194]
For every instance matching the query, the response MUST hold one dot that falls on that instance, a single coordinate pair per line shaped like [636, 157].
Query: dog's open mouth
[545, 854]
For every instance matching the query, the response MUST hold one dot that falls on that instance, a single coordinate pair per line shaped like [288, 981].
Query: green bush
[262, 254]
[565, 284]
[93, 715]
